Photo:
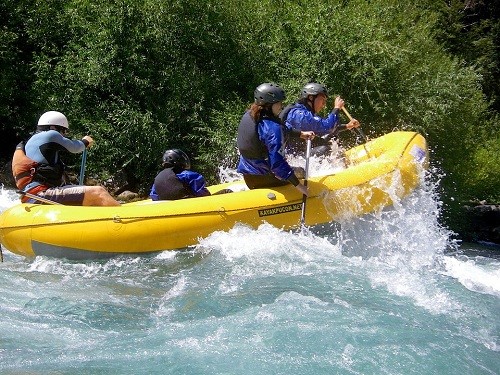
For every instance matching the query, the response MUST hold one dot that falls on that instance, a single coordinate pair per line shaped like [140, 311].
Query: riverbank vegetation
[141, 76]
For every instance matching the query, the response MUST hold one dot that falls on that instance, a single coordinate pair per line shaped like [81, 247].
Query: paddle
[360, 131]
[82, 167]
[331, 135]
[304, 197]
[41, 199]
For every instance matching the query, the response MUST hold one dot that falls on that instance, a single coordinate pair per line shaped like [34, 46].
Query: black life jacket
[248, 141]
[294, 144]
[284, 112]
[169, 187]
[26, 170]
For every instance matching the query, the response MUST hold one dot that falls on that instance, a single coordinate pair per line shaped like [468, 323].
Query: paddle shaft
[33, 196]
[360, 131]
[304, 197]
[82, 167]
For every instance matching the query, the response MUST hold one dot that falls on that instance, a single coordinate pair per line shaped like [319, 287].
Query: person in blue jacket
[303, 116]
[176, 180]
[261, 142]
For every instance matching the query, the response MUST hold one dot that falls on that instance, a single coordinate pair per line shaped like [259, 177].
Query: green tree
[145, 75]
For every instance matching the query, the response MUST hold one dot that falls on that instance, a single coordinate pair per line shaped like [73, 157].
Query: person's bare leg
[98, 196]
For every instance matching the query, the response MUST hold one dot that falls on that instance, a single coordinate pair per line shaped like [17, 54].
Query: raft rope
[117, 218]
[1, 255]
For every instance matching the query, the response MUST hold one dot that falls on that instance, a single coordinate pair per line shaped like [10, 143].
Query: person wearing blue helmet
[303, 116]
[261, 142]
[176, 180]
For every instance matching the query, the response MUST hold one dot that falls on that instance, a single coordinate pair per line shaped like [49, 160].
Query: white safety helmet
[53, 118]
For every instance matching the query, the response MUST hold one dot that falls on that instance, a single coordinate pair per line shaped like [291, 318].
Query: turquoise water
[389, 293]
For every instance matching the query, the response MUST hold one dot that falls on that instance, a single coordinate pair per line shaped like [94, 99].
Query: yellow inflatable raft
[383, 169]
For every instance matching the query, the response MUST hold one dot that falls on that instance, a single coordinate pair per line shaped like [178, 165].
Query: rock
[484, 221]
[127, 196]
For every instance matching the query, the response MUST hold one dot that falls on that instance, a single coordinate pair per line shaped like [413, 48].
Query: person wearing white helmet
[38, 169]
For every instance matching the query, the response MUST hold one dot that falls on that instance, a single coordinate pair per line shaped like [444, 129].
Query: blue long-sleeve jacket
[44, 147]
[301, 118]
[271, 134]
[195, 181]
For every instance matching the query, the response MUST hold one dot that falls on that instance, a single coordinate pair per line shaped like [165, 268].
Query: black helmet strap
[310, 103]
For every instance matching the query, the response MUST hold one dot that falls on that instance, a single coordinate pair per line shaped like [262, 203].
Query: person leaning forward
[38, 169]
[303, 116]
[261, 142]
[177, 180]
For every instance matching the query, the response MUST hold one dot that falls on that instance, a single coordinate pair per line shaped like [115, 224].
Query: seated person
[261, 142]
[38, 169]
[303, 115]
[176, 181]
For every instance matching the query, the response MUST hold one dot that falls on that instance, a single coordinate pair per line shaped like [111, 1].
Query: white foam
[481, 278]
[165, 307]
[8, 198]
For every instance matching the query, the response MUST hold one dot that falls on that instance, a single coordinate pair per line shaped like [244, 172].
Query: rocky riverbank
[483, 222]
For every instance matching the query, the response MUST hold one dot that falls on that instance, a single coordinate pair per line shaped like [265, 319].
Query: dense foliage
[141, 76]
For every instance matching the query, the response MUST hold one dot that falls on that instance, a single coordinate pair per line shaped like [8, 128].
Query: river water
[389, 293]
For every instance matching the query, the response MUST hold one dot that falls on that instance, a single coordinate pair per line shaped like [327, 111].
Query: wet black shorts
[71, 195]
[254, 181]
